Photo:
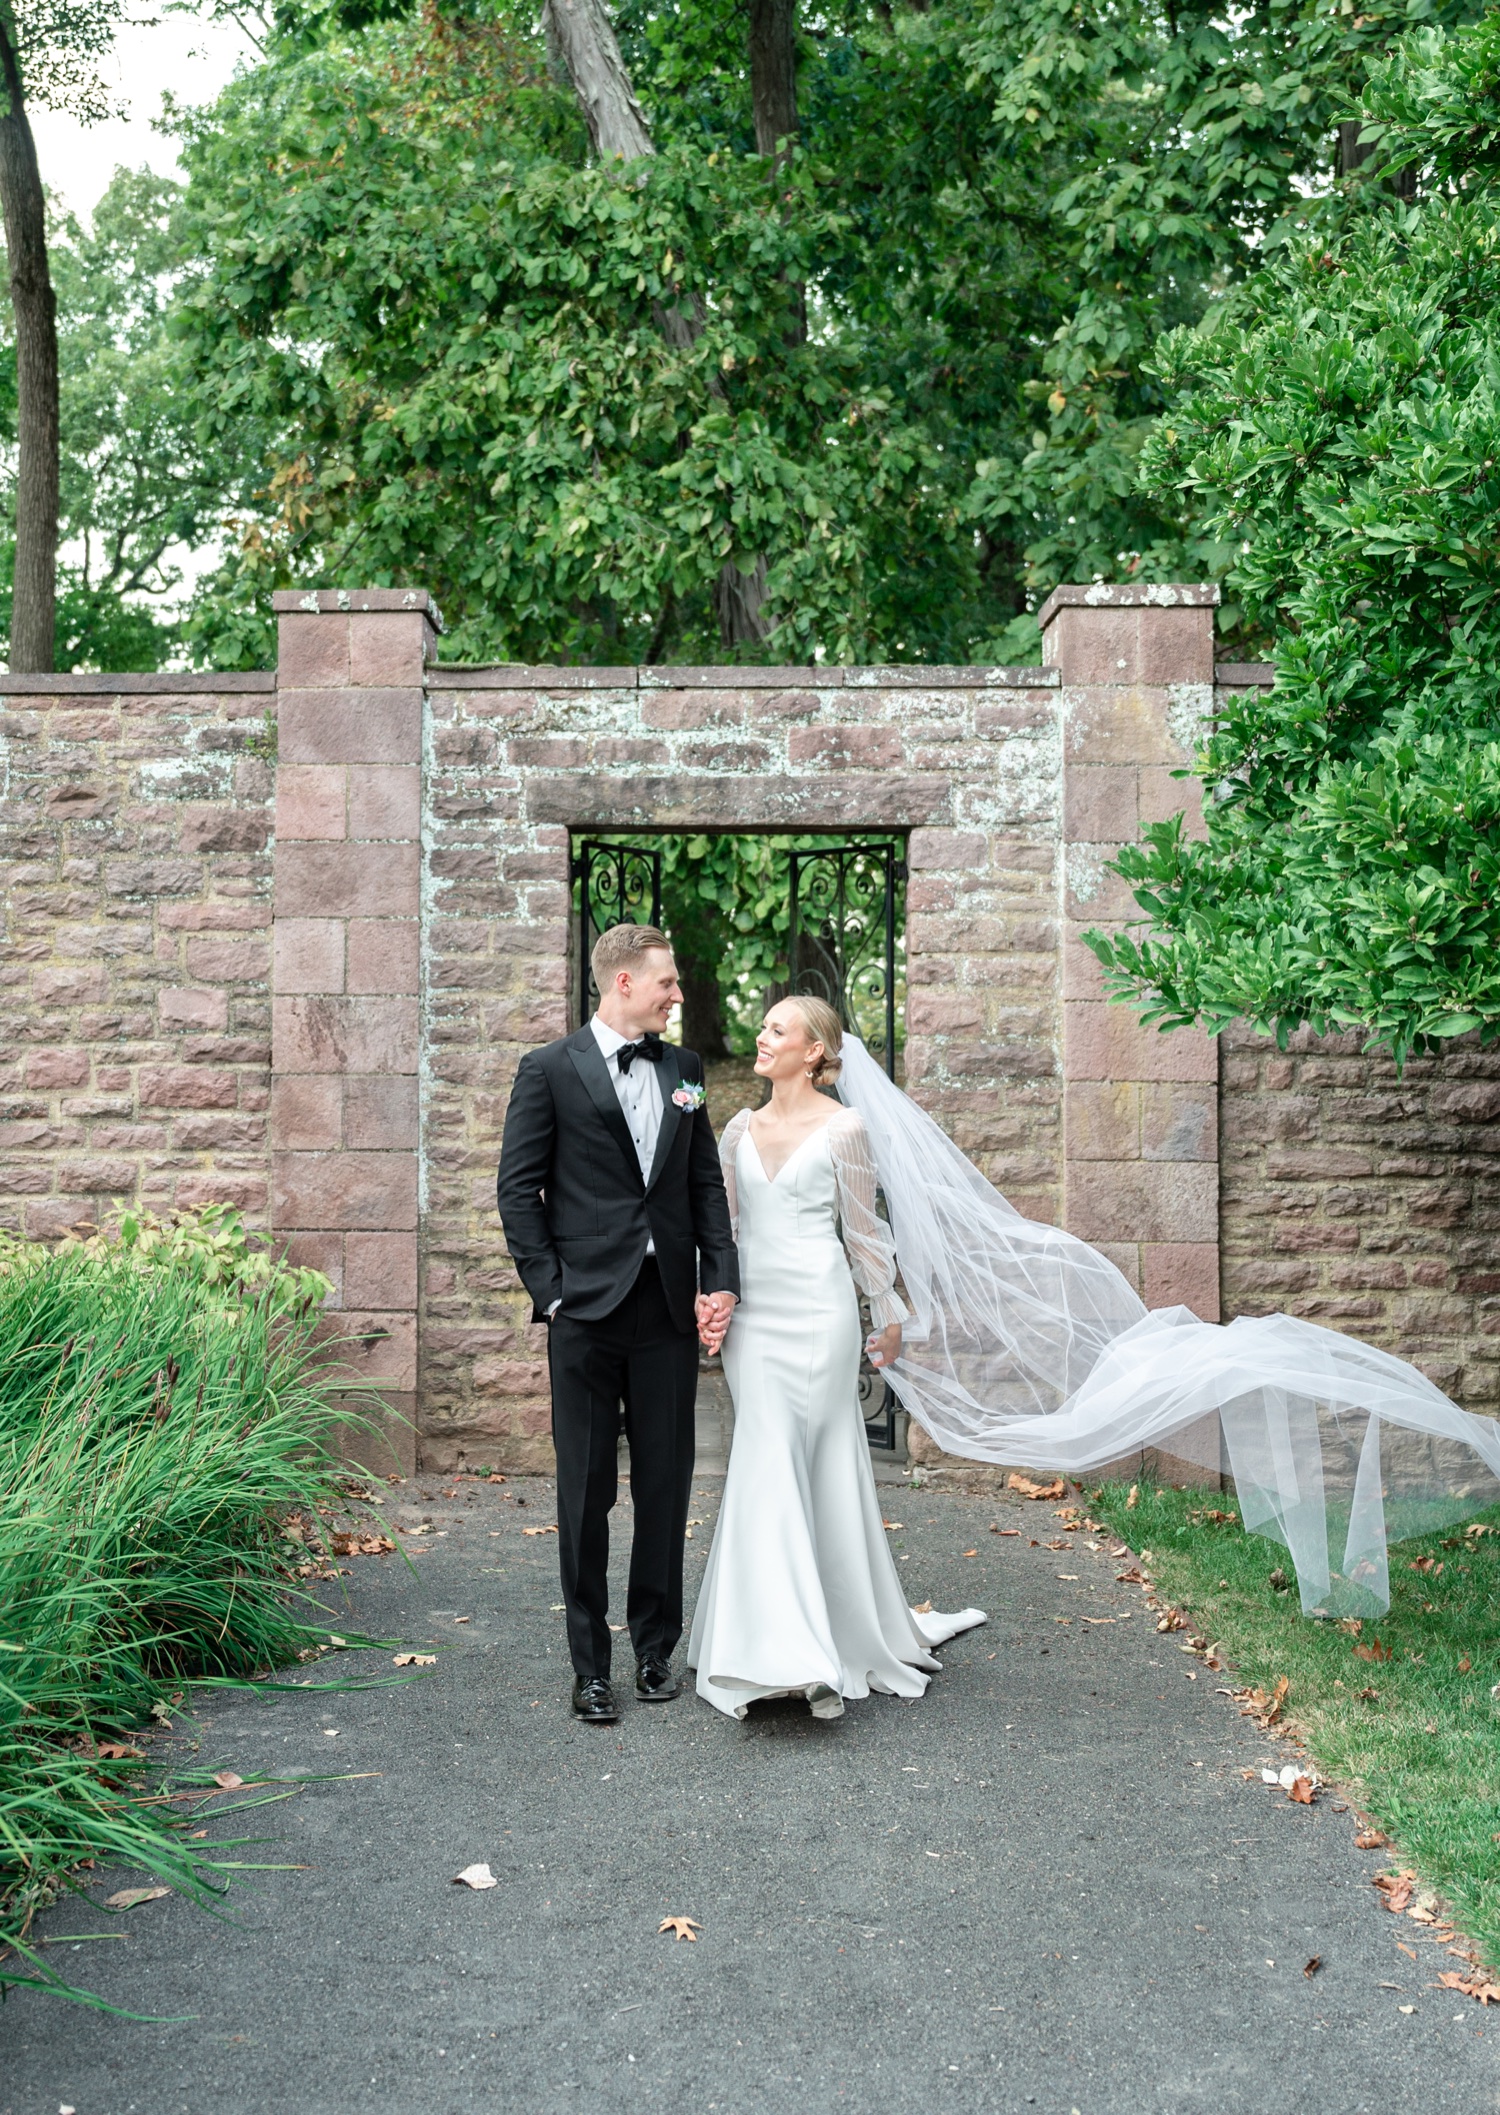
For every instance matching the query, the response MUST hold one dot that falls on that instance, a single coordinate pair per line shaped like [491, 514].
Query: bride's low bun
[823, 1026]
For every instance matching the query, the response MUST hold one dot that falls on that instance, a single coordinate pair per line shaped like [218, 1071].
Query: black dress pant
[637, 1357]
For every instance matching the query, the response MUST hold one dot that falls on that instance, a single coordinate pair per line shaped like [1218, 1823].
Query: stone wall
[135, 816]
[967, 759]
[422, 823]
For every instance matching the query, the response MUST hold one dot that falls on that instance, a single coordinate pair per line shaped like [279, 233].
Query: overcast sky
[192, 59]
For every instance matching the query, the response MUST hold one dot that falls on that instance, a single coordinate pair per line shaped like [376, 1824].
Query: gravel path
[1047, 1885]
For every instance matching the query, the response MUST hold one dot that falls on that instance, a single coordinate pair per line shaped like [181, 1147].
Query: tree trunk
[34, 609]
[1354, 153]
[582, 45]
[773, 74]
[773, 98]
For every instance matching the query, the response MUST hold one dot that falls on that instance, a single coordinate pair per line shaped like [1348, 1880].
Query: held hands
[713, 1311]
[883, 1346]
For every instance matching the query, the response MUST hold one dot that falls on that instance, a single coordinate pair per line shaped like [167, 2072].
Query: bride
[1017, 1344]
[801, 1596]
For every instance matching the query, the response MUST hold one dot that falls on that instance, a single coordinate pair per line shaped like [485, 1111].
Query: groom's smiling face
[648, 992]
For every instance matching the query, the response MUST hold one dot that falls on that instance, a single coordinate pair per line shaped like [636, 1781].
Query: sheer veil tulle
[1028, 1347]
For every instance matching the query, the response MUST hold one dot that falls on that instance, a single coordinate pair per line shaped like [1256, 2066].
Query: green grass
[1415, 1737]
[162, 1412]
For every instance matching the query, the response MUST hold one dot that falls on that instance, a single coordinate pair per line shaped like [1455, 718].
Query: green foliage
[139, 488]
[1341, 424]
[438, 332]
[1415, 1735]
[162, 1407]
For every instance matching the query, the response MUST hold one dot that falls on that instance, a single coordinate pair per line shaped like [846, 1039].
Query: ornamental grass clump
[163, 1406]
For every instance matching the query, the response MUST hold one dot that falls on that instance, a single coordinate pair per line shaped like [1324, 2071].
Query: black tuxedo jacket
[576, 1212]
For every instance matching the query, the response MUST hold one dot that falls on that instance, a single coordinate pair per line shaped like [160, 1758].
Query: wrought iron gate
[613, 884]
[844, 906]
[842, 946]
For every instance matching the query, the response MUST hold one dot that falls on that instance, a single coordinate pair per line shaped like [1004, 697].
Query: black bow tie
[649, 1047]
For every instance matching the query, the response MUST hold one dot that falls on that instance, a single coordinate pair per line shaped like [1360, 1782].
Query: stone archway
[422, 938]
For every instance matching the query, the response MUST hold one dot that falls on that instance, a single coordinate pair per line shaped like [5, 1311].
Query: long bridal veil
[1028, 1347]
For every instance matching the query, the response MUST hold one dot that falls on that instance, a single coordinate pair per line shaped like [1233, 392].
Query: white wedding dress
[801, 1596]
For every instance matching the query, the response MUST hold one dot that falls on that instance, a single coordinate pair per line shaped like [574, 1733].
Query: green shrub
[163, 1407]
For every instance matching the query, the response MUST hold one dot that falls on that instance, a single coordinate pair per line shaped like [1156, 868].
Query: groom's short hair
[623, 947]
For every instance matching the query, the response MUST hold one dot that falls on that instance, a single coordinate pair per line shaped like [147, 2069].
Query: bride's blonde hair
[823, 1026]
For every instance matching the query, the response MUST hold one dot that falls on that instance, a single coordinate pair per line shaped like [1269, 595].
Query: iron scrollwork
[613, 884]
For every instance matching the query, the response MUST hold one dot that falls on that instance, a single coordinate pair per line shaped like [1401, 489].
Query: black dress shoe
[594, 1700]
[655, 1682]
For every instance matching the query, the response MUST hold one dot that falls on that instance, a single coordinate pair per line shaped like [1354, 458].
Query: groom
[615, 1212]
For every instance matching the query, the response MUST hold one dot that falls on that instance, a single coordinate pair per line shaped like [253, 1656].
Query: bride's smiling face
[784, 1050]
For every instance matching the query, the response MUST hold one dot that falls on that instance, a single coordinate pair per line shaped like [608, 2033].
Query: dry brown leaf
[1030, 1488]
[1478, 1986]
[1310, 1968]
[1396, 1889]
[478, 1877]
[1371, 1840]
[1300, 1791]
[128, 1897]
[971, 1553]
[497, 1479]
[1133, 1498]
[415, 1659]
[680, 1927]
[893, 1525]
[1004, 1531]
[540, 1531]
[1465, 1664]
[119, 1751]
[1134, 1577]
[1409, 1951]
[227, 1781]
[357, 1544]
[1374, 1651]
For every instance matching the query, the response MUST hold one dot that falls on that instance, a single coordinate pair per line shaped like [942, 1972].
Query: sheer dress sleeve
[729, 1146]
[867, 1239]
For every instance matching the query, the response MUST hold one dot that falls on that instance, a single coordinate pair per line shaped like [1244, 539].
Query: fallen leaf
[1478, 1986]
[1373, 1651]
[1370, 1840]
[1029, 1488]
[1408, 2009]
[228, 1781]
[1465, 1664]
[1134, 1577]
[357, 1544]
[478, 1877]
[1004, 1531]
[1396, 1889]
[415, 1659]
[680, 1927]
[497, 1479]
[1311, 1967]
[539, 1531]
[971, 1553]
[892, 1524]
[923, 1608]
[1133, 1498]
[119, 1751]
[1300, 1791]
[1409, 1951]
[463, 1619]
[161, 1712]
[128, 1897]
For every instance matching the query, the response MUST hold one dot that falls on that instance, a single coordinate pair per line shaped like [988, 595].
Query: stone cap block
[1128, 595]
[334, 602]
[520, 675]
[181, 683]
[916, 675]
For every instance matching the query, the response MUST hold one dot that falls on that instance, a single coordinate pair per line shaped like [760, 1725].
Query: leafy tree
[908, 382]
[49, 52]
[137, 492]
[1340, 424]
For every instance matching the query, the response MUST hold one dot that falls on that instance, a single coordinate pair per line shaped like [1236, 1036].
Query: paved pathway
[1046, 1886]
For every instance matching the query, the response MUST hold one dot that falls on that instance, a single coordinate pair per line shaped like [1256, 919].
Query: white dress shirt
[639, 1095]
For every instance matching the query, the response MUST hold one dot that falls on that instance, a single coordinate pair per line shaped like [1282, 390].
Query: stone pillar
[1140, 1109]
[345, 975]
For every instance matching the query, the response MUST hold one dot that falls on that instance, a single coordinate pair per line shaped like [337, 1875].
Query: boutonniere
[689, 1095]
